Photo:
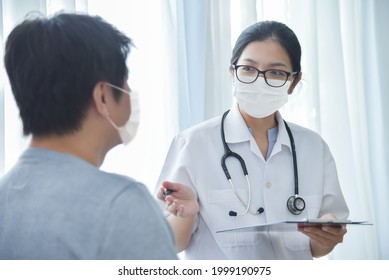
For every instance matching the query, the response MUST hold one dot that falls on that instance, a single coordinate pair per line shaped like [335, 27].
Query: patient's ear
[294, 83]
[100, 92]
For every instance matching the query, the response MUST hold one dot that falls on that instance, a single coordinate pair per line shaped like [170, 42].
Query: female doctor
[250, 167]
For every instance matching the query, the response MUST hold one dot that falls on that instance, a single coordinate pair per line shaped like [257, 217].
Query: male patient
[69, 78]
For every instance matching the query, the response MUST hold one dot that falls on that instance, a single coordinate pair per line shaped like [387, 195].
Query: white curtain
[181, 65]
[199, 45]
[375, 42]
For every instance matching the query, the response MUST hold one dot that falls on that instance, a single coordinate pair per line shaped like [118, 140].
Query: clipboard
[327, 222]
[291, 225]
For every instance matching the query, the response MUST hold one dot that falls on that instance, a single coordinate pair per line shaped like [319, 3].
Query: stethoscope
[295, 203]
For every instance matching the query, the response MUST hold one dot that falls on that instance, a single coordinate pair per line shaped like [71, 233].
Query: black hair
[264, 30]
[53, 65]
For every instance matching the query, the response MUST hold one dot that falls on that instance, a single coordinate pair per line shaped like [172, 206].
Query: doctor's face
[265, 55]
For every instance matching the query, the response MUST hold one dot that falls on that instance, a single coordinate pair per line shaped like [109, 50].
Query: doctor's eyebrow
[249, 60]
[278, 64]
[252, 61]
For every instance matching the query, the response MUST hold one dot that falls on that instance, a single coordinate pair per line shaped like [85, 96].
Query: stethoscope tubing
[228, 153]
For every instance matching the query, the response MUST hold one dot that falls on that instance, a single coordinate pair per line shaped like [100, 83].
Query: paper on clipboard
[292, 225]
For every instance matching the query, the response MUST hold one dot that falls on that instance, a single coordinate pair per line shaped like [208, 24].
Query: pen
[166, 193]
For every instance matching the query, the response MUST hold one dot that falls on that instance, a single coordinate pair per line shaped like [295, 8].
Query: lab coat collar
[236, 130]
[283, 137]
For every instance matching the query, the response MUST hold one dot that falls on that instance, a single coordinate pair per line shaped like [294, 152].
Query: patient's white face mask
[128, 131]
[258, 99]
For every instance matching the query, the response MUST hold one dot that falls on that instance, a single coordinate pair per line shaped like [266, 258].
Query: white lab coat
[194, 159]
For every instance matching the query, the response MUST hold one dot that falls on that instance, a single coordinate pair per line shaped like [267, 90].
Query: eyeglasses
[273, 77]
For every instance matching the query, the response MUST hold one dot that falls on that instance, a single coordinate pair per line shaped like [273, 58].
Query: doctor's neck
[260, 125]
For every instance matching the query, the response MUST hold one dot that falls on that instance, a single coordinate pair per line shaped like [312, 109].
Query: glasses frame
[259, 72]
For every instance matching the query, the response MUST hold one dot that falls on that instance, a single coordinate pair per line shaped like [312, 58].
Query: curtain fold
[375, 61]
[334, 110]
[217, 78]
[170, 73]
[200, 59]
[360, 192]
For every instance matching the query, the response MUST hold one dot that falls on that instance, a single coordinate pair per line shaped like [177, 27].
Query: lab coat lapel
[282, 137]
[236, 130]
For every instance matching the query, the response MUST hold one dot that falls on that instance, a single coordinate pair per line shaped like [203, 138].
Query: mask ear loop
[114, 125]
[105, 110]
[118, 88]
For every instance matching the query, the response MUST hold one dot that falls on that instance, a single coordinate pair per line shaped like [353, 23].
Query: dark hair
[264, 30]
[53, 65]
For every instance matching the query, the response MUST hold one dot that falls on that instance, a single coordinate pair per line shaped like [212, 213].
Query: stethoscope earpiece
[234, 214]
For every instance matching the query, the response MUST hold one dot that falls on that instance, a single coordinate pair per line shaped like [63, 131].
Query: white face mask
[128, 131]
[260, 100]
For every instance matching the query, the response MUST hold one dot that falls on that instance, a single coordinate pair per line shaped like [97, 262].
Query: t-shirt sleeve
[135, 228]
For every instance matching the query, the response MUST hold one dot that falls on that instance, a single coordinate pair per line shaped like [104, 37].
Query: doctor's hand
[181, 201]
[324, 239]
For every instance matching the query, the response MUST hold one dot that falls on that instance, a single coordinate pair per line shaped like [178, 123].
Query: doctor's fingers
[335, 230]
[160, 195]
[326, 231]
[325, 242]
[177, 210]
[179, 190]
[173, 186]
[183, 210]
[172, 207]
[325, 237]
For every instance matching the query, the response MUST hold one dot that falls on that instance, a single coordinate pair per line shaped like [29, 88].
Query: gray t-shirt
[57, 206]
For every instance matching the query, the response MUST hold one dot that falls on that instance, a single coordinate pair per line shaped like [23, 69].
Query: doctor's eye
[248, 69]
[276, 74]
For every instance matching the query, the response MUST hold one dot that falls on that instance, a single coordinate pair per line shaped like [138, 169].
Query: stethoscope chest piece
[296, 204]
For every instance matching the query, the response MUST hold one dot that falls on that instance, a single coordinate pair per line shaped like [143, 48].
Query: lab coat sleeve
[178, 166]
[333, 199]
